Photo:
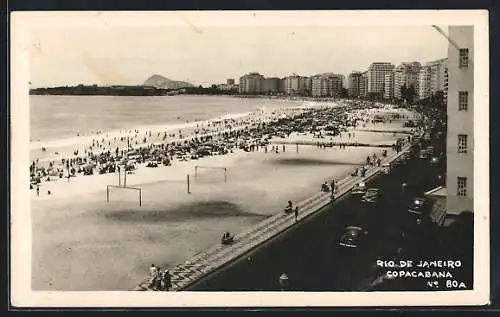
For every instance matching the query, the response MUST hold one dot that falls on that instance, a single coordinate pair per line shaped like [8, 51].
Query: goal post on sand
[210, 167]
[124, 187]
[122, 184]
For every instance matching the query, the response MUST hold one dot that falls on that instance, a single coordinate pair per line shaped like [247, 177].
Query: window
[462, 143]
[464, 57]
[463, 100]
[461, 186]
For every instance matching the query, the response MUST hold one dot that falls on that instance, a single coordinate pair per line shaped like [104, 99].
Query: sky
[129, 55]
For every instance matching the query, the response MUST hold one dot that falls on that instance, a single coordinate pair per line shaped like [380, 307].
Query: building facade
[251, 83]
[376, 77]
[270, 85]
[389, 86]
[353, 83]
[424, 77]
[406, 74]
[363, 84]
[327, 85]
[460, 112]
[438, 70]
[295, 85]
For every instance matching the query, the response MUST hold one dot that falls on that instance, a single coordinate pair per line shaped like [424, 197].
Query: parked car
[359, 189]
[371, 196]
[386, 168]
[352, 237]
[420, 207]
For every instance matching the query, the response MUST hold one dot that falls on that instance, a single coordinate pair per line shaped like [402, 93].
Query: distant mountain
[165, 83]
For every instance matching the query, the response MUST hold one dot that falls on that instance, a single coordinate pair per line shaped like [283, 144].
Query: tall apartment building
[437, 75]
[424, 78]
[316, 84]
[270, 85]
[389, 86]
[308, 86]
[281, 86]
[353, 84]
[406, 74]
[327, 85]
[295, 84]
[460, 110]
[251, 83]
[363, 84]
[376, 77]
[399, 80]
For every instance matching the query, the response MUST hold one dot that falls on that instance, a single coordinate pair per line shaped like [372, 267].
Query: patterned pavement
[217, 256]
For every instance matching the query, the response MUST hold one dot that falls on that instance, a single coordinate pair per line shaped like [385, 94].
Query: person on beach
[165, 280]
[37, 191]
[153, 275]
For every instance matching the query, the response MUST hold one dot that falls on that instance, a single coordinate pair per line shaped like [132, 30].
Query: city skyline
[113, 56]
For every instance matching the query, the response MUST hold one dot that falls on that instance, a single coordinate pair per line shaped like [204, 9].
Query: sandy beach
[81, 242]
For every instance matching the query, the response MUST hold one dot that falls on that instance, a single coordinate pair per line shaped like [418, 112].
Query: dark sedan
[351, 237]
[419, 208]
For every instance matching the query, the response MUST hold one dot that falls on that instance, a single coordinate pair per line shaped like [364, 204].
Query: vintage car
[419, 207]
[359, 189]
[371, 196]
[386, 168]
[352, 237]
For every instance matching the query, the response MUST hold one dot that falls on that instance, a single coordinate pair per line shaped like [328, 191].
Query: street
[310, 253]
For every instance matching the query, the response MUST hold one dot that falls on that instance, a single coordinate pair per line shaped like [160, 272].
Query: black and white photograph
[239, 158]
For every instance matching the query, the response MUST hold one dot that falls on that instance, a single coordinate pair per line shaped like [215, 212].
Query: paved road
[310, 254]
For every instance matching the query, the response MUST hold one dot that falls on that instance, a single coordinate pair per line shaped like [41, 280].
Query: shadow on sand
[307, 161]
[196, 210]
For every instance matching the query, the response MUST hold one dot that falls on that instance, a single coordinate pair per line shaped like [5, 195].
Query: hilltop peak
[160, 81]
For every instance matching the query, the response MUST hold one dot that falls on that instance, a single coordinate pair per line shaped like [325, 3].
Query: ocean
[64, 117]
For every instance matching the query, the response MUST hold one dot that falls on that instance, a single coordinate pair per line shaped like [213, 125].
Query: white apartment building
[389, 86]
[406, 74]
[460, 110]
[376, 77]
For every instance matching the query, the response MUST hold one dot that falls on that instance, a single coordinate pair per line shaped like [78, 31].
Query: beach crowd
[253, 132]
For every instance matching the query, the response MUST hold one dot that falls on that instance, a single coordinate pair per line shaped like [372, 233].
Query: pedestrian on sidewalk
[296, 211]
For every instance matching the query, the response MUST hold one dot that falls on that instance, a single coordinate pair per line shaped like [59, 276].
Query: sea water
[57, 118]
